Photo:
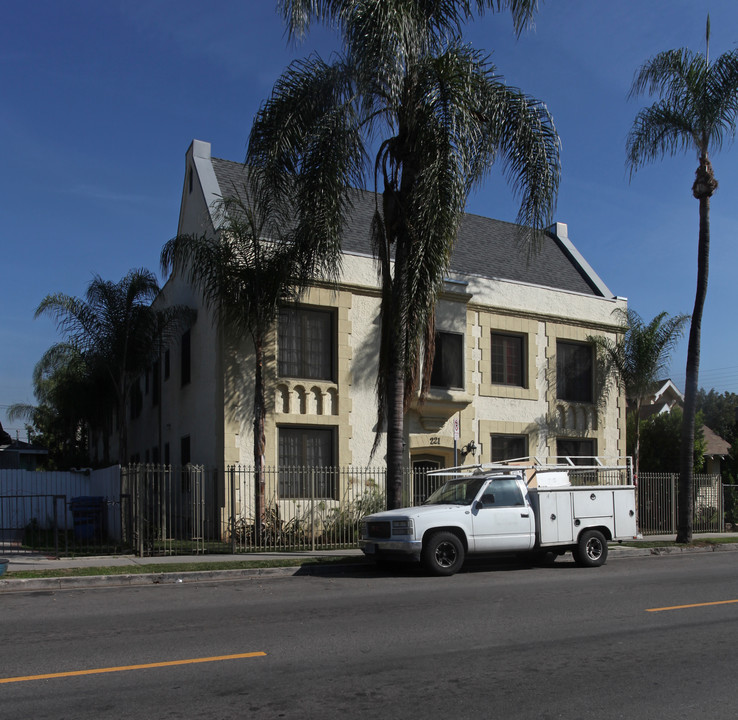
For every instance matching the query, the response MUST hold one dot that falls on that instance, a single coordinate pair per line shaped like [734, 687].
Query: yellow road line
[684, 607]
[123, 668]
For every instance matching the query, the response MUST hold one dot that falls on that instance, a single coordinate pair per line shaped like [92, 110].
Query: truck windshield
[457, 492]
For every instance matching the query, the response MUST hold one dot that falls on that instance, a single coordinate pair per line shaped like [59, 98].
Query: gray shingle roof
[485, 247]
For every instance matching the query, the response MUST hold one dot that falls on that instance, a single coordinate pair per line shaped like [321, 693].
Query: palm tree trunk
[396, 388]
[703, 188]
[259, 435]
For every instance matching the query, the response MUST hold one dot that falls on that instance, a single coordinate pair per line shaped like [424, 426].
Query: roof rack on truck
[588, 469]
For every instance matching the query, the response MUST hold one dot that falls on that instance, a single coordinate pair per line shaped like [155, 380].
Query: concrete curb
[617, 552]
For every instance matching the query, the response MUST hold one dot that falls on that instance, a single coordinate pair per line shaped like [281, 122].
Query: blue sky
[100, 101]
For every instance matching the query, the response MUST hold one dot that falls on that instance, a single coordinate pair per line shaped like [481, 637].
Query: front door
[424, 484]
[502, 519]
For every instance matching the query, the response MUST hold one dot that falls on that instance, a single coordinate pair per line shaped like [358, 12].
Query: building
[514, 375]
[662, 399]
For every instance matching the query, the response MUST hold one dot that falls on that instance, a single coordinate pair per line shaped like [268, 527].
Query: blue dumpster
[90, 517]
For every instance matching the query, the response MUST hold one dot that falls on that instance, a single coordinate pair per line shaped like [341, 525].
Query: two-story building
[514, 374]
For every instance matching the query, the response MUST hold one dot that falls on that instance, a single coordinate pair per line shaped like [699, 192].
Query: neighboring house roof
[715, 446]
[666, 392]
[19, 454]
[485, 247]
[664, 396]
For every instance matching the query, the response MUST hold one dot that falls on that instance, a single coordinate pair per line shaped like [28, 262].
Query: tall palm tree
[244, 272]
[115, 328]
[696, 110]
[640, 356]
[410, 111]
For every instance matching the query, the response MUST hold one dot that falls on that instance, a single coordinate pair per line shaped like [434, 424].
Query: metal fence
[657, 503]
[168, 510]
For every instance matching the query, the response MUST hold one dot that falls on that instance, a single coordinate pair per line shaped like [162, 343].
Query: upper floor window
[508, 360]
[306, 343]
[186, 368]
[448, 361]
[136, 399]
[156, 383]
[574, 372]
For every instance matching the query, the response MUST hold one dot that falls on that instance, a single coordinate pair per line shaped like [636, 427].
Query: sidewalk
[34, 561]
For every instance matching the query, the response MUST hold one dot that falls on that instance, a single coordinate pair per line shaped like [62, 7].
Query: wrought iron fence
[168, 510]
[657, 503]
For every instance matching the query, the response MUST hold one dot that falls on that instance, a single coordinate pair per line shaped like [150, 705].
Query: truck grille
[379, 529]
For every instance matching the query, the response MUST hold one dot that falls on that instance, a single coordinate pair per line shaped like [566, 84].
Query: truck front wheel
[443, 554]
[591, 549]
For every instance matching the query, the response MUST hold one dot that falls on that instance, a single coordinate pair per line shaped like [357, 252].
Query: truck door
[502, 519]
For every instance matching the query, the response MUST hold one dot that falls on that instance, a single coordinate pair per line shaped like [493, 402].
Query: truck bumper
[409, 548]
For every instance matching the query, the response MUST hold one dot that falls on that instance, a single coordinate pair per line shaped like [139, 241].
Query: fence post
[138, 502]
[232, 516]
[312, 507]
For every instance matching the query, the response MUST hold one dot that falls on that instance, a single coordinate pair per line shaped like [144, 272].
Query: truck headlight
[402, 527]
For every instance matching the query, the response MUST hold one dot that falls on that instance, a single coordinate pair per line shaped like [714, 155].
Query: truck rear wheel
[591, 549]
[443, 554]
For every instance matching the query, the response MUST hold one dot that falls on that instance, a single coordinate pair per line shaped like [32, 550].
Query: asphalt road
[495, 641]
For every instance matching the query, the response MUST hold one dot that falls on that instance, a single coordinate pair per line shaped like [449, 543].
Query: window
[574, 372]
[184, 459]
[306, 344]
[136, 399]
[306, 458]
[155, 383]
[448, 361]
[184, 450]
[508, 360]
[166, 364]
[508, 447]
[575, 448]
[186, 366]
[502, 493]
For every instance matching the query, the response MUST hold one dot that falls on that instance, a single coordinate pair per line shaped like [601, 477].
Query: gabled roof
[485, 247]
[715, 446]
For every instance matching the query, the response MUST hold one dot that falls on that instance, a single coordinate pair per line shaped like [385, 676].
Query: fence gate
[169, 510]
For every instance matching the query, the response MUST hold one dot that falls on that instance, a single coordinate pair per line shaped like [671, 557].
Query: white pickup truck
[509, 508]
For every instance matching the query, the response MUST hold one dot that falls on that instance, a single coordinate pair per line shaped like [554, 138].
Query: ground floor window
[306, 461]
[581, 451]
[508, 447]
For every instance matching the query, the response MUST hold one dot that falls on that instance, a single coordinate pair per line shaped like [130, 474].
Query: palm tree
[115, 330]
[409, 110]
[640, 356]
[71, 404]
[244, 273]
[696, 110]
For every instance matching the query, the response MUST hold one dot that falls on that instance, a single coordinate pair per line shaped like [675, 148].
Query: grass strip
[178, 567]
